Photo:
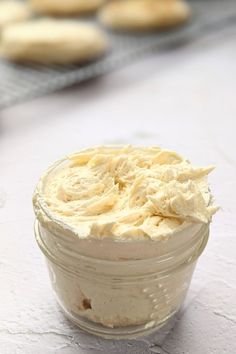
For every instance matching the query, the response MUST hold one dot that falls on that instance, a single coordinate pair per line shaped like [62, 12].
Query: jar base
[128, 332]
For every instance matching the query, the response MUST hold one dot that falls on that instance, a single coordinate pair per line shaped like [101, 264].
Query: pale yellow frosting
[128, 192]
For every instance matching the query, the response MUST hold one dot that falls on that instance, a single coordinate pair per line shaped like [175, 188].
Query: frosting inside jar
[129, 193]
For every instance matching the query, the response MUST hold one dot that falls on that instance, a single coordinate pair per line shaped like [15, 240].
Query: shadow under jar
[120, 298]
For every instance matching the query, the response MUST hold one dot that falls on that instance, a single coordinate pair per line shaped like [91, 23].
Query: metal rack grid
[19, 83]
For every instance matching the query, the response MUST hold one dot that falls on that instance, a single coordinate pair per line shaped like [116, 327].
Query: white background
[183, 100]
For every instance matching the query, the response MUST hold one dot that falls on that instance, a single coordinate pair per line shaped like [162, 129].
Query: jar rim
[145, 267]
[161, 258]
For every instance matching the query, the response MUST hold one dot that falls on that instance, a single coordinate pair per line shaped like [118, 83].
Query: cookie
[65, 7]
[144, 14]
[48, 41]
[12, 11]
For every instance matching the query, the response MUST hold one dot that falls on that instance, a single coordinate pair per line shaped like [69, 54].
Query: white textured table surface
[183, 100]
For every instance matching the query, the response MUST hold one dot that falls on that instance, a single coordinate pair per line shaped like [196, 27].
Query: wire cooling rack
[19, 83]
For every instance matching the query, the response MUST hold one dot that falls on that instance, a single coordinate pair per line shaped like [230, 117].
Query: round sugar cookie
[12, 11]
[52, 42]
[65, 7]
[142, 15]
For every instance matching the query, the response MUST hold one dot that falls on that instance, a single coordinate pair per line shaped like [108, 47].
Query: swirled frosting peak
[129, 193]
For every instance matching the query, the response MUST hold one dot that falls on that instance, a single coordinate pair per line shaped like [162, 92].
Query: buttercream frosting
[129, 193]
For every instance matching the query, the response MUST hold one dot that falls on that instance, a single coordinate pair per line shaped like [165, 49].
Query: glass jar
[105, 287]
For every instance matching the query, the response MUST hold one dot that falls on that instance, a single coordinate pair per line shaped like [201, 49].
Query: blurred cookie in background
[143, 15]
[46, 41]
[65, 7]
[13, 11]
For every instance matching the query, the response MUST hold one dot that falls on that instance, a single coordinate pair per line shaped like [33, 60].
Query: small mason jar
[105, 286]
